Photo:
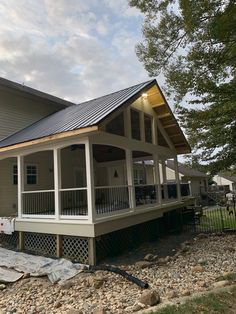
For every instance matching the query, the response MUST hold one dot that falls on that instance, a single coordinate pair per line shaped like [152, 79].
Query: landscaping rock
[220, 284]
[74, 312]
[150, 298]
[143, 264]
[66, 285]
[111, 292]
[99, 311]
[2, 286]
[172, 294]
[149, 257]
[162, 261]
[185, 293]
[198, 269]
[96, 281]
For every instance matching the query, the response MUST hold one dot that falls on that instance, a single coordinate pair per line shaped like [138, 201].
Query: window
[138, 176]
[135, 124]
[116, 126]
[148, 128]
[15, 175]
[31, 174]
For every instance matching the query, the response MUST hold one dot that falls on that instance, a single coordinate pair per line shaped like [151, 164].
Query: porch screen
[116, 126]
[135, 124]
[148, 128]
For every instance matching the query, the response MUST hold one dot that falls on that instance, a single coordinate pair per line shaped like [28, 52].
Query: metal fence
[209, 219]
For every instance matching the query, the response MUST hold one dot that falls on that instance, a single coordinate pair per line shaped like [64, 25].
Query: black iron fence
[209, 219]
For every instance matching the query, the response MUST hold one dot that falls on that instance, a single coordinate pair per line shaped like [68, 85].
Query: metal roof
[33, 92]
[186, 171]
[78, 116]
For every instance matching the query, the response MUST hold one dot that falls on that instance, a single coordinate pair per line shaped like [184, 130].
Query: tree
[193, 43]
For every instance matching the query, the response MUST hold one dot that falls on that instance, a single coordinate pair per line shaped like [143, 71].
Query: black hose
[121, 272]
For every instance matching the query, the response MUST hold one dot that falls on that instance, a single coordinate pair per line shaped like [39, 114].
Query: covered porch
[92, 179]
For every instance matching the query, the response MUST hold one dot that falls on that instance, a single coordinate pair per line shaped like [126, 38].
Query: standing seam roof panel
[76, 116]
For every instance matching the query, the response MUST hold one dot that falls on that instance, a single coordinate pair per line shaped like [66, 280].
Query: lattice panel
[75, 248]
[9, 240]
[40, 243]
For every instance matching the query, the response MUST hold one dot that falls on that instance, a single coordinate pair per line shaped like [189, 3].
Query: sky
[74, 49]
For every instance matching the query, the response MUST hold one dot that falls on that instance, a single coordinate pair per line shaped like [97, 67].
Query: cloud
[74, 49]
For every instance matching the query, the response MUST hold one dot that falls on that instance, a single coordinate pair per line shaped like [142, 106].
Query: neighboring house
[85, 181]
[198, 181]
[225, 181]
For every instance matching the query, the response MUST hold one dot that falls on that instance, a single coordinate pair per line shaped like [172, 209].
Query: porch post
[57, 181]
[157, 177]
[165, 188]
[90, 180]
[177, 178]
[130, 176]
[20, 176]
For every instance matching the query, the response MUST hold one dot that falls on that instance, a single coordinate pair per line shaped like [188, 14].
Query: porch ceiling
[104, 153]
[167, 119]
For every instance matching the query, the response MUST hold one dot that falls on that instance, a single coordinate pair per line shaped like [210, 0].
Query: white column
[57, 181]
[177, 178]
[90, 181]
[130, 177]
[165, 188]
[157, 177]
[20, 187]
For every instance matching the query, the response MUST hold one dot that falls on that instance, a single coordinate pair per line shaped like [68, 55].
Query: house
[225, 181]
[73, 181]
[198, 181]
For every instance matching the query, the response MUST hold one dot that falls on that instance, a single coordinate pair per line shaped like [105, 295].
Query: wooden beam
[92, 251]
[169, 126]
[179, 144]
[21, 240]
[164, 115]
[174, 135]
[50, 138]
[59, 245]
[158, 105]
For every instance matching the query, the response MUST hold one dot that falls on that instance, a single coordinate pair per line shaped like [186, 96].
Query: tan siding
[8, 191]
[17, 112]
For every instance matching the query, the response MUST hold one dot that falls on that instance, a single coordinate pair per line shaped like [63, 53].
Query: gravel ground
[193, 268]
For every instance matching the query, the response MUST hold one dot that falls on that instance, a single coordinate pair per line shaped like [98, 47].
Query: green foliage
[194, 44]
[214, 303]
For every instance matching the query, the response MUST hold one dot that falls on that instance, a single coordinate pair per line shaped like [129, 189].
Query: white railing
[73, 203]
[39, 203]
[109, 200]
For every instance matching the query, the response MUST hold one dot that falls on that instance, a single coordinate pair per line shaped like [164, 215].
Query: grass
[213, 303]
[217, 219]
